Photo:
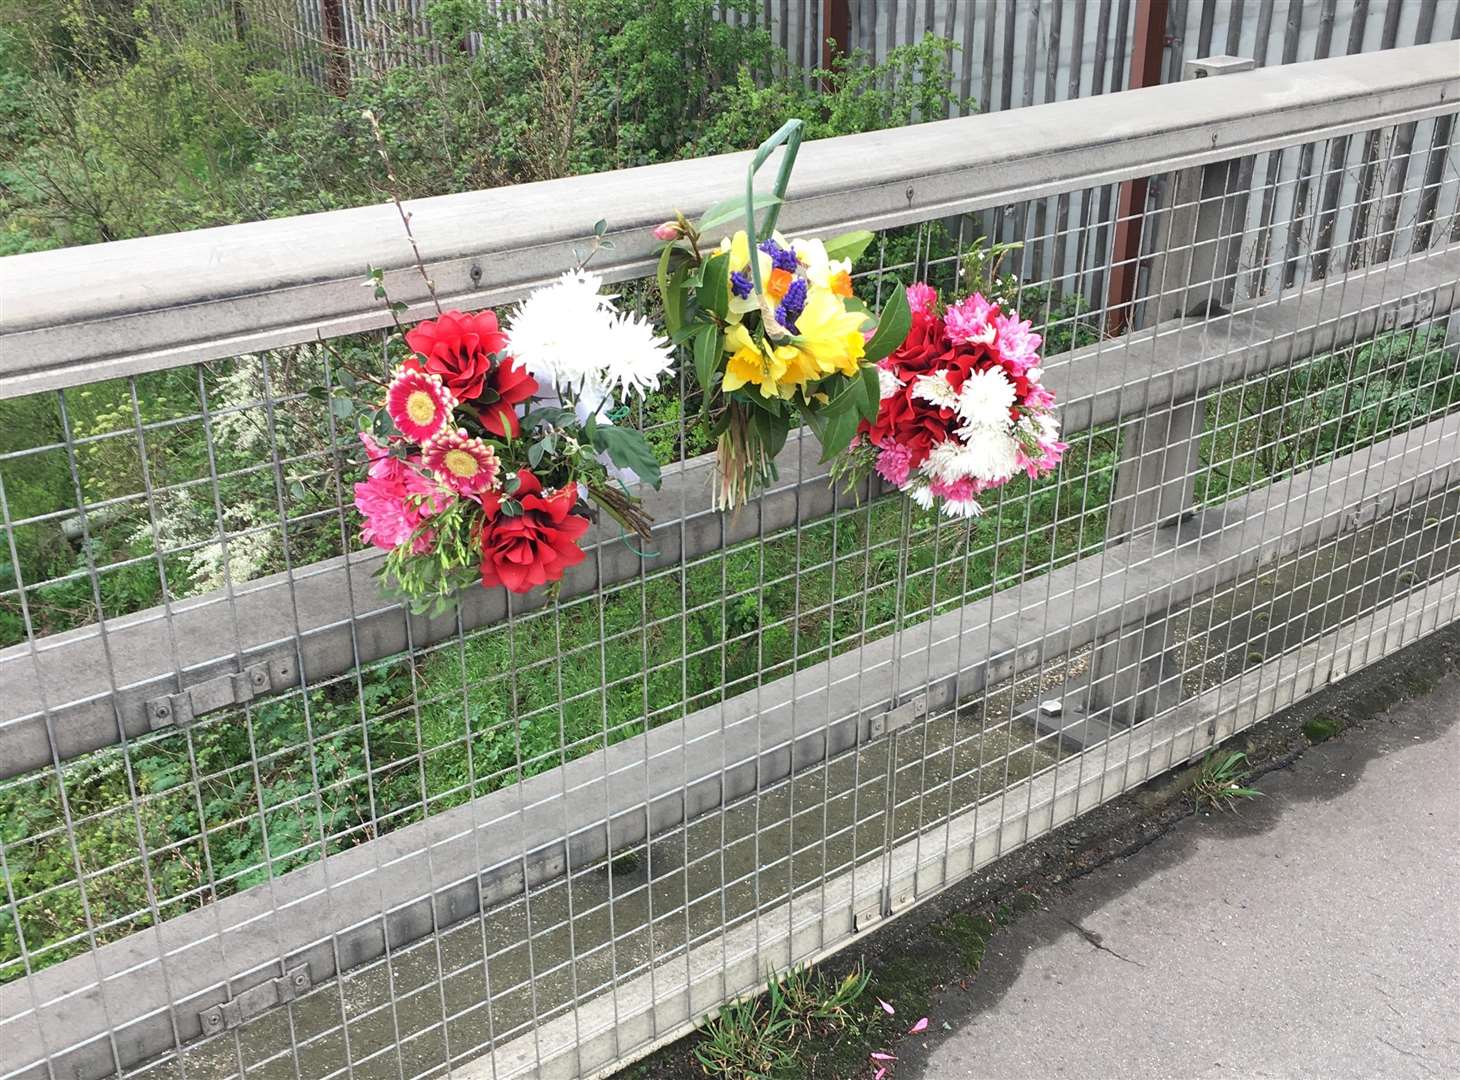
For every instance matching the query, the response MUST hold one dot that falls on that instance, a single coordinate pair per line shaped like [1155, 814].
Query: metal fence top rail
[84, 314]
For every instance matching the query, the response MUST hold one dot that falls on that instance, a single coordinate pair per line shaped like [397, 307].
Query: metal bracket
[218, 693]
[256, 1000]
[903, 716]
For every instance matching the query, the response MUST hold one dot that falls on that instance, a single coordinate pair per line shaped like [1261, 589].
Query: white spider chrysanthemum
[961, 508]
[921, 494]
[990, 455]
[571, 337]
[887, 383]
[985, 399]
[555, 333]
[935, 390]
[632, 356]
[987, 455]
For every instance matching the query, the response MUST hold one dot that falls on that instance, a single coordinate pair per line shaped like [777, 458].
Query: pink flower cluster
[396, 499]
[963, 409]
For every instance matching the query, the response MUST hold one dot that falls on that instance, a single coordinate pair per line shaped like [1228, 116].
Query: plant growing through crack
[1219, 783]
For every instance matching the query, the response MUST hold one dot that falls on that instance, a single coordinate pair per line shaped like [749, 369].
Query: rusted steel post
[1125, 253]
[836, 32]
[336, 50]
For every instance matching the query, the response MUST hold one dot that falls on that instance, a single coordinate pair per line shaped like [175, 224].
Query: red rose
[921, 350]
[513, 385]
[530, 548]
[910, 422]
[459, 348]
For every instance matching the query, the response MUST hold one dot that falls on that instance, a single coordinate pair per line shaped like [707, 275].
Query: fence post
[1156, 478]
[1195, 268]
[1132, 671]
[1125, 251]
[336, 48]
[836, 32]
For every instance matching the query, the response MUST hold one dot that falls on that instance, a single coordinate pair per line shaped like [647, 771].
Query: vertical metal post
[1190, 270]
[1145, 70]
[1131, 672]
[836, 31]
[1156, 478]
[336, 54]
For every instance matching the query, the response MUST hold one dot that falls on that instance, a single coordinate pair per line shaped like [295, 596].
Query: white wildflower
[887, 383]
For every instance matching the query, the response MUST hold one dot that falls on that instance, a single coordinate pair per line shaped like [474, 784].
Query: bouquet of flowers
[491, 443]
[962, 408]
[777, 336]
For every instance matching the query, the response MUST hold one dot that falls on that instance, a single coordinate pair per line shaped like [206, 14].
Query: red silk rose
[513, 385]
[458, 348]
[531, 548]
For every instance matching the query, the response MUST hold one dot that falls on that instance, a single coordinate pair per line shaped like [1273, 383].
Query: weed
[758, 1038]
[1219, 783]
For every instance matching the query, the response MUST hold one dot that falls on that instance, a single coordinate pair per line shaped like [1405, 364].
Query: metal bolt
[476, 274]
[163, 712]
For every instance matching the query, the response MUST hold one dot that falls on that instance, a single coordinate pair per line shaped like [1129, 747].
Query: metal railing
[254, 819]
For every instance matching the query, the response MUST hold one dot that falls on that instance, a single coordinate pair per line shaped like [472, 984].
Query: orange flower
[777, 284]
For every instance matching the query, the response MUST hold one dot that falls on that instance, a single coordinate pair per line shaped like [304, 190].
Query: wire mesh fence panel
[256, 820]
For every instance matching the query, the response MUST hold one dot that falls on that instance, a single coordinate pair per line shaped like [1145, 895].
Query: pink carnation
[894, 463]
[921, 297]
[395, 500]
[1017, 344]
[972, 320]
[1047, 459]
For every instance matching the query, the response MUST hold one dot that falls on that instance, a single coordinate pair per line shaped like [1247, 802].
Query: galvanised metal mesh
[536, 837]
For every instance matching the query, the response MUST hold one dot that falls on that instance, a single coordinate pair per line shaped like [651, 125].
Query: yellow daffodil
[738, 247]
[831, 333]
[754, 364]
[834, 275]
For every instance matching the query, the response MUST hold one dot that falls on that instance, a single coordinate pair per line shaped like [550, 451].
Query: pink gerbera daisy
[466, 465]
[420, 404]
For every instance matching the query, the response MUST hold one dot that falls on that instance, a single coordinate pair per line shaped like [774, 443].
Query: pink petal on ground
[921, 1025]
[878, 1055]
[888, 1009]
[880, 1073]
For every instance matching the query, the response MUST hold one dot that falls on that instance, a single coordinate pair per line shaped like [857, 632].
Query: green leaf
[892, 326]
[600, 227]
[671, 302]
[838, 435]
[848, 245]
[727, 210]
[342, 407]
[708, 346]
[846, 394]
[534, 454]
[872, 391]
[714, 294]
[627, 449]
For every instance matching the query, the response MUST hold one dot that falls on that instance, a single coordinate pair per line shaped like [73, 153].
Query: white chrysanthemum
[936, 390]
[989, 455]
[632, 356]
[921, 494]
[985, 399]
[961, 508]
[557, 331]
[569, 336]
[887, 383]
